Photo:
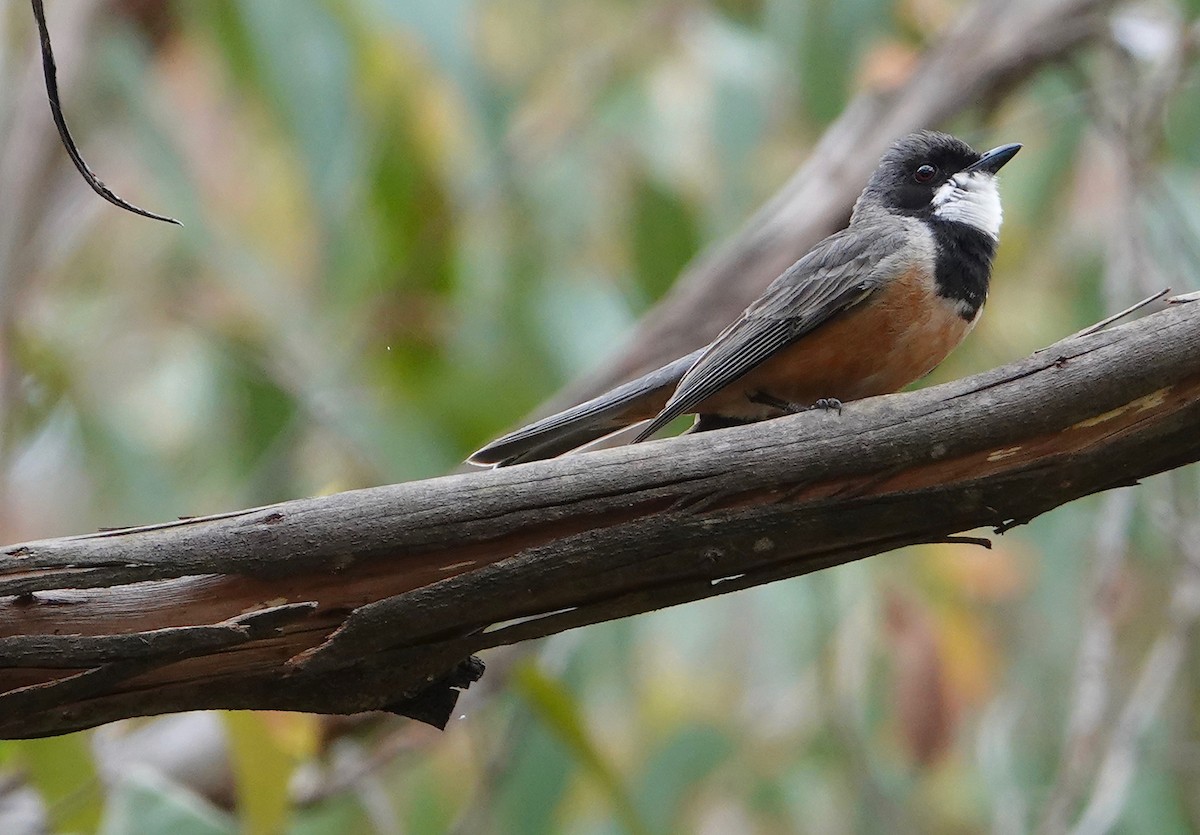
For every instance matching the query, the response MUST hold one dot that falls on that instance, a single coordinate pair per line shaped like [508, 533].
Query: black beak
[994, 160]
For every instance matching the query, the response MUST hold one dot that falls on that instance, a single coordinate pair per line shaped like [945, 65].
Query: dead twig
[60, 121]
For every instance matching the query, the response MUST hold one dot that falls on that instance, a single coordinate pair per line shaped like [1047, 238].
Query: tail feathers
[631, 403]
[543, 443]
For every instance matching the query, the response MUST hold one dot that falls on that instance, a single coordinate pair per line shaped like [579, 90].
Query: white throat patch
[971, 198]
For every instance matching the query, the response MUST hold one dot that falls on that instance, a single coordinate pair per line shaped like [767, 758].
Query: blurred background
[407, 224]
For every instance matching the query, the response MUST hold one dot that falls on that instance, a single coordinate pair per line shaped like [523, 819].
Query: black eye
[925, 174]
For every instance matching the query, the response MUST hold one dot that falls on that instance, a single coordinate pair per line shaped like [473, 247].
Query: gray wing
[838, 273]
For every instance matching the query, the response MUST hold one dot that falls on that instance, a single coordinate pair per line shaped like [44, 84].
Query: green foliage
[675, 774]
[61, 769]
[341, 814]
[535, 784]
[664, 237]
[555, 708]
[145, 803]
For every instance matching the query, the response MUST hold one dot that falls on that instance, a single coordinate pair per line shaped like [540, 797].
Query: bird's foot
[827, 403]
[787, 407]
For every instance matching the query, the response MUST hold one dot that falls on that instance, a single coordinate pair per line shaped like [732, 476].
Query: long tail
[631, 403]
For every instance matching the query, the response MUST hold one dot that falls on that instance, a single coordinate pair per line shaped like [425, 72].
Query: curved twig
[60, 121]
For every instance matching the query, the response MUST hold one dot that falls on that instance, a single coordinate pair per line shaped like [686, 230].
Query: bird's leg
[764, 399]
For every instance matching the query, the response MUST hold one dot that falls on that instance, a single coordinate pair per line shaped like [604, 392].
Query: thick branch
[359, 600]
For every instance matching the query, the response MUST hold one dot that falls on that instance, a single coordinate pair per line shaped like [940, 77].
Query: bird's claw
[828, 403]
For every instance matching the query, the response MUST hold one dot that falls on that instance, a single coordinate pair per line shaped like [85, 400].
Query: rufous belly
[898, 334]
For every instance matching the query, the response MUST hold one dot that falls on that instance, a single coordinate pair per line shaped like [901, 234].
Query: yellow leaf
[262, 767]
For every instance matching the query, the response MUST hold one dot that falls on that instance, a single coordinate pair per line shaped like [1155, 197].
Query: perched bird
[867, 311]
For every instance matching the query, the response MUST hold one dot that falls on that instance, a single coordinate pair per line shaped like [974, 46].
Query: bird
[866, 311]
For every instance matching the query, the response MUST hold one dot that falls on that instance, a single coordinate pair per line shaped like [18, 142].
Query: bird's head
[939, 177]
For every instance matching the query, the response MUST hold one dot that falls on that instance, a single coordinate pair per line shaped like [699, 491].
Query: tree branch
[364, 600]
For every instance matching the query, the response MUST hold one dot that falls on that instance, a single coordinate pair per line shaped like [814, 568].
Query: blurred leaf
[341, 814]
[259, 412]
[677, 771]
[557, 708]
[146, 803]
[302, 62]
[664, 237]
[262, 770]
[835, 33]
[583, 320]
[444, 29]
[1156, 798]
[743, 11]
[535, 778]
[430, 809]
[1036, 188]
[1183, 119]
[61, 769]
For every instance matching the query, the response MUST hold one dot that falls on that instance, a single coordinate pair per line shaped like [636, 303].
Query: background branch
[990, 50]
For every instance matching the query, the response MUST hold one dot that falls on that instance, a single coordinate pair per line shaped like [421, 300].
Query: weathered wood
[363, 600]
